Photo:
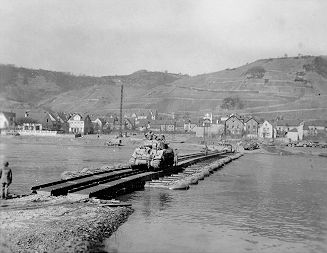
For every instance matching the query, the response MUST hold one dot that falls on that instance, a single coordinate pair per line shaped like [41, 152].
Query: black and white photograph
[163, 126]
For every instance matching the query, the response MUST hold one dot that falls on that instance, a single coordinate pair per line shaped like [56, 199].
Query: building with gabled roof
[284, 126]
[234, 126]
[79, 124]
[142, 124]
[76, 124]
[50, 122]
[293, 135]
[267, 130]
[98, 124]
[156, 125]
[251, 126]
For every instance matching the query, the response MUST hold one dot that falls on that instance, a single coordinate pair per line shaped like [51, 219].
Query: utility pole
[204, 134]
[121, 112]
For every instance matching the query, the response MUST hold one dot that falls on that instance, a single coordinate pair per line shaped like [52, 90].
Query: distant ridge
[292, 86]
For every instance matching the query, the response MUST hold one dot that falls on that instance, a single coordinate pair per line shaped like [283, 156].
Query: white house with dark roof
[76, 123]
[267, 130]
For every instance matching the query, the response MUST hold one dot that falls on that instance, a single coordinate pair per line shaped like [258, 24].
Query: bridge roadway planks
[114, 187]
[34, 188]
[62, 187]
[122, 179]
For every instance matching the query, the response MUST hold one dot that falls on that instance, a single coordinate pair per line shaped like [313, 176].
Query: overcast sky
[188, 36]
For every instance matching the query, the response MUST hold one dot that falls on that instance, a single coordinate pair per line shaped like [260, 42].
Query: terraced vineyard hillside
[294, 86]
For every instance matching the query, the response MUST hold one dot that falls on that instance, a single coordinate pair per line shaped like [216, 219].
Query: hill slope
[265, 87]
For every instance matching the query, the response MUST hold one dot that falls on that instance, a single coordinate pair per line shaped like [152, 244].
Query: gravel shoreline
[57, 224]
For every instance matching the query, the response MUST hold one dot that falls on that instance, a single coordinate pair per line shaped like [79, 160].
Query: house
[287, 125]
[316, 127]
[76, 124]
[179, 126]
[267, 130]
[234, 125]
[251, 126]
[284, 126]
[112, 123]
[62, 119]
[142, 115]
[211, 131]
[79, 125]
[190, 124]
[170, 126]
[7, 120]
[32, 127]
[157, 125]
[293, 135]
[88, 126]
[153, 115]
[208, 117]
[129, 123]
[142, 124]
[98, 124]
[306, 130]
[133, 115]
[30, 117]
[50, 122]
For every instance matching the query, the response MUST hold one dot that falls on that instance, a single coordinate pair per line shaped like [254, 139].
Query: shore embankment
[37, 223]
[285, 150]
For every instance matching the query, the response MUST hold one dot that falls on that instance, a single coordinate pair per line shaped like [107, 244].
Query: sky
[109, 37]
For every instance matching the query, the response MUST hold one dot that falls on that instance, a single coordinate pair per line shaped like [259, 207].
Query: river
[258, 203]
[38, 160]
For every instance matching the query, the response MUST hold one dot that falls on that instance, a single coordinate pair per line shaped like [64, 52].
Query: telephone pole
[121, 112]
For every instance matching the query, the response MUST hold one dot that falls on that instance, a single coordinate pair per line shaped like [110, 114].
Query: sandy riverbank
[57, 224]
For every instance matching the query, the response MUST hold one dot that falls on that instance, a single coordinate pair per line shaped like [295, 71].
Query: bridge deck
[111, 188]
[111, 182]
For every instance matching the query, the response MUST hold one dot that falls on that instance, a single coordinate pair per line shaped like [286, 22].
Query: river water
[38, 160]
[258, 203]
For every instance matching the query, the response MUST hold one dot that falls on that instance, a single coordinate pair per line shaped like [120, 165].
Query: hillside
[294, 86]
[30, 88]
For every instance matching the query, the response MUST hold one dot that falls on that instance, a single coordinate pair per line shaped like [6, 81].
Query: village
[214, 128]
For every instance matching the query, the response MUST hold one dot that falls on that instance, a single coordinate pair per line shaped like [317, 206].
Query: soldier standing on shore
[5, 180]
[176, 157]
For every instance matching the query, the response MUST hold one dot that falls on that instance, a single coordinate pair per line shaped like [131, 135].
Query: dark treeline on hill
[275, 85]
[232, 103]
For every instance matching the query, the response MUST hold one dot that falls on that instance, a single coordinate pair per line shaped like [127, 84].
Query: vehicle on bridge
[152, 155]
